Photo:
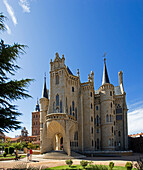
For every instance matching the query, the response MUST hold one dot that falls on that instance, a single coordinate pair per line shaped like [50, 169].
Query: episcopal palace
[77, 117]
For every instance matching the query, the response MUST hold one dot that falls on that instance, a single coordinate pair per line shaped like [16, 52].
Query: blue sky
[82, 30]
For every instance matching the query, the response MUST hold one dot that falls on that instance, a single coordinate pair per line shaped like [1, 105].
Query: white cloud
[10, 11]
[8, 29]
[25, 5]
[135, 118]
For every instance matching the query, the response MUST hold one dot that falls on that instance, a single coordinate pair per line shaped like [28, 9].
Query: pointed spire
[105, 78]
[45, 94]
[37, 106]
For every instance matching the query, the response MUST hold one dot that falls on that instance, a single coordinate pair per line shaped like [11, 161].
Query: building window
[57, 100]
[72, 105]
[97, 143]
[111, 105]
[97, 130]
[72, 89]
[76, 113]
[119, 133]
[119, 117]
[91, 105]
[91, 119]
[92, 142]
[92, 130]
[57, 79]
[112, 129]
[109, 142]
[97, 119]
[96, 107]
[110, 118]
[90, 94]
[110, 93]
[60, 106]
[118, 109]
[107, 118]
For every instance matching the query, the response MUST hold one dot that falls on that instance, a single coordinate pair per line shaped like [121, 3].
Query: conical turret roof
[105, 78]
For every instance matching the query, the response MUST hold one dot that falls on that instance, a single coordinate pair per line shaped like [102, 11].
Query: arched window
[57, 79]
[119, 133]
[72, 105]
[92, 142]
[70, 111]
[97, 120]
[112, 129]
[110, 93]
[110, 118]
[57, 100]
[107, 118]
[92, 130]
[91, 105]
[72, 89]
[76, 113]
[90, 94]
[91, 119]
[60, 106]
[109, 142]
[54, 107]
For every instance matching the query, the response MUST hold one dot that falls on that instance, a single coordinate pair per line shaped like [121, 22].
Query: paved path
[38, 161]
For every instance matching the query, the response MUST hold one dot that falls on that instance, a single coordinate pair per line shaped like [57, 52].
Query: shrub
[69, 162]
[4, 154]
[129, 165]
[83, 163]
[11, 150]
[6, 150]
[111, 165]
[139, 164]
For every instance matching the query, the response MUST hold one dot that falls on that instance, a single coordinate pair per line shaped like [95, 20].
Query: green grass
[80, 167]
[11, 156]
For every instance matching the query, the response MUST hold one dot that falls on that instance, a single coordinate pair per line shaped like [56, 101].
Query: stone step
[62, 155]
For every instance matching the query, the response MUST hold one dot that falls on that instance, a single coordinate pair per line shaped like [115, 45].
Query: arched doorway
[58, 142]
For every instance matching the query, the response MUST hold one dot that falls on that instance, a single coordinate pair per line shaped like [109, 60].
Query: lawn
[80, 167]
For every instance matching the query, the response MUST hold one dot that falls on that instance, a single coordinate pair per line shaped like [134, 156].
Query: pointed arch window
[110, 118]
[72, 105]
[107, 118]
[76, 113]
[57, 79]
[57, 100]
[60, 106]
[97, 120]
[112, 129]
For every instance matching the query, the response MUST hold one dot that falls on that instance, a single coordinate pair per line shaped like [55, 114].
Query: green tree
[10, 90]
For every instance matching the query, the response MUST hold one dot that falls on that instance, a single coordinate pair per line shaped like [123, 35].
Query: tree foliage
[10, 89]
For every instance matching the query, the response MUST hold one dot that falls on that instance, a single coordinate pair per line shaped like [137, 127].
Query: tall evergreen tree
[10, 90]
